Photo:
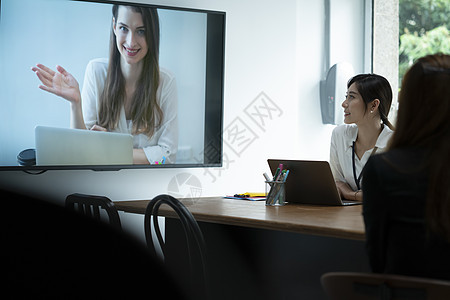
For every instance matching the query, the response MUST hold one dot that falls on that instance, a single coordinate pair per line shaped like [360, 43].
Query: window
[424, 29]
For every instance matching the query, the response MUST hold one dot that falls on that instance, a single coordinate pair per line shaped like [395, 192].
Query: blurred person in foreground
[406, 190]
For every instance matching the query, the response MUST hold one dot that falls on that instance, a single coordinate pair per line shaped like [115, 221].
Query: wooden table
[334, 221]
[260, 252]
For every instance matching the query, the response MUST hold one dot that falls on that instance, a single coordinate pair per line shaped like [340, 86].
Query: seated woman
[366, 131]
[406, 205]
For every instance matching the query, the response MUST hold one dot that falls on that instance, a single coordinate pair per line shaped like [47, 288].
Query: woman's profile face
[130, 35]
[354, 107]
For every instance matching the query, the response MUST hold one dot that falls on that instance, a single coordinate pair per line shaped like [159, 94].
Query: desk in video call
[263, 252]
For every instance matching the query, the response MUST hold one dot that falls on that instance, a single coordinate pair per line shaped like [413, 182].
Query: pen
[255, 194]
[277, 172]
[266, 177]
[249, 195]
[280, 167]
[285, 176]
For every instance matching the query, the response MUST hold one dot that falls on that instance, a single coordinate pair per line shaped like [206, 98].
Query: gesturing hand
[60, 83]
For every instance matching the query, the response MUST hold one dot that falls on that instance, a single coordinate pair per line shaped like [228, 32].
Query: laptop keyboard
[348, 202]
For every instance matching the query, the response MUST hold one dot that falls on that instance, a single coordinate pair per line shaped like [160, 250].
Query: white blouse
[164, 142]
[341, 152]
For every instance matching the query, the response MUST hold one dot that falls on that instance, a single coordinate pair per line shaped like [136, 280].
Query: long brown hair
[371, 87]
[423, 121]
[145, 110]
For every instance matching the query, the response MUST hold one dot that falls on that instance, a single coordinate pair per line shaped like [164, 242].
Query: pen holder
[275, 193]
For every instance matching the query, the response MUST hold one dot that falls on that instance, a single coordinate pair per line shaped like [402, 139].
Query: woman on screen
[128, 92]
[366, 131]
[406, 205]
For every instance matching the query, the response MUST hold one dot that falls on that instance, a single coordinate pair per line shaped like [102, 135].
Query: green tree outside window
[424, 29]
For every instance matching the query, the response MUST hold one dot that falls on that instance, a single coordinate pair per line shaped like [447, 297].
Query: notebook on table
[309, 182]
[66, 146]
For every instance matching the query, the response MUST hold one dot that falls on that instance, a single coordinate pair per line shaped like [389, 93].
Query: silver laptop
[309, 182]
[65, 146]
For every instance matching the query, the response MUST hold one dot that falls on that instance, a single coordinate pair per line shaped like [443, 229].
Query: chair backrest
[361, 286]
[194, 238]
[92, 206]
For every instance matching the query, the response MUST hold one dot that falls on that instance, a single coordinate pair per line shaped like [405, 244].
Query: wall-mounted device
[332, 92]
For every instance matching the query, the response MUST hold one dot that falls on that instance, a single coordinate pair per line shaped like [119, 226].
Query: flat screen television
[77, 35]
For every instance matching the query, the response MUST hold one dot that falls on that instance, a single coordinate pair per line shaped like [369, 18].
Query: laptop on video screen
[309, 182]
[65, 146]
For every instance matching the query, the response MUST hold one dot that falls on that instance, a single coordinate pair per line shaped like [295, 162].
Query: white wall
[274, 55]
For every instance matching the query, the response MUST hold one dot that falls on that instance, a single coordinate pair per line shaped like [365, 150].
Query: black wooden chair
[92, 206]
[196, 247]
[365, 286]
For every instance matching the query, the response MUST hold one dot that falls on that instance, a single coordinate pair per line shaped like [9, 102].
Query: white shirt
[164, 142]
[341, 152]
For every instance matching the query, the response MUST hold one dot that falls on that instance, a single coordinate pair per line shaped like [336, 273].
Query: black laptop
[310, 182]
